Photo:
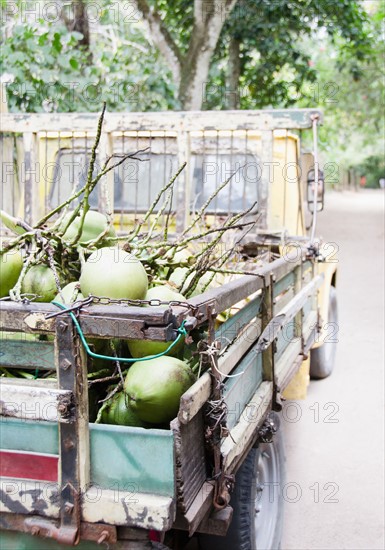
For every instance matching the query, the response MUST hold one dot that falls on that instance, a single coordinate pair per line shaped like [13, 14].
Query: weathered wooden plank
[195, 397]
[244, 381]
[229, 330]
[289, 363]
[29, 436]
[291, 360]
[29, 497]
[283, 299]
[243, 432]
[143, 459]
[284, 338]
[190, 466]
[128, 508]
[34, 402]
[27, 355]
[173, 121]
[155, 323]
[217, 523]
[198, 510]
[115, 507]
[233, 292]
[100, 321]
[288, 312]
[284, 283]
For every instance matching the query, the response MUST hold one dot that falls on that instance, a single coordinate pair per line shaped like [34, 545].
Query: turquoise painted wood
[308, 307]
[122, 457]
[25, 354]
[284, 284]
[228, 331]
[284, 338]
[29, 435]
[239, 390]
[132, 459]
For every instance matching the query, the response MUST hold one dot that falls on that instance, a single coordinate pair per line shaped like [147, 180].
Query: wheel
[257, 502]
[322, 359]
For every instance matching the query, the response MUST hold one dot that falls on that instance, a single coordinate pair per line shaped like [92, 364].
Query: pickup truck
[213, 478]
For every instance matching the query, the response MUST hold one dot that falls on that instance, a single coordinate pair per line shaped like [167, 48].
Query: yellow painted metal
[286, 211]
[297, 387]
[329, 269]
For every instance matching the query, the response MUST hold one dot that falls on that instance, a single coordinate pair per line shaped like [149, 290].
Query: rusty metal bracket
[269, 428]
[67, 357]
[47, 528]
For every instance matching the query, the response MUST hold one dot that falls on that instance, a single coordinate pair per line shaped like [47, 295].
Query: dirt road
[334, 488]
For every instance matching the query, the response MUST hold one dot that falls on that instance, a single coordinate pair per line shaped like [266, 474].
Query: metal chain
[128, 302]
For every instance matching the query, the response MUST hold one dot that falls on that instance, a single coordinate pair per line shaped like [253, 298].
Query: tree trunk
[234, 73]
[196, 65]
[78, 21]
[192, 69]
[194, 76]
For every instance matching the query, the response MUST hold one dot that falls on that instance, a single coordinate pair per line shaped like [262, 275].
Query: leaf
[42, 38]
[74, 63]
[56, 43]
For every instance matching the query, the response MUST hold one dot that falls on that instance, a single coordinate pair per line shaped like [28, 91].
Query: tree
[48, 68]
[251, 45]
[351, 94]
[178, 54]
[189, 61]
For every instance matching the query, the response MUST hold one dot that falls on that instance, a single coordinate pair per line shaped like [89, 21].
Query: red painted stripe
[19, 464]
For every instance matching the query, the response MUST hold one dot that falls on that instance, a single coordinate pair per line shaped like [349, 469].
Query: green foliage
[274, 64]
[41, 62]
[50, 71]
[352, 96]
[373, 168]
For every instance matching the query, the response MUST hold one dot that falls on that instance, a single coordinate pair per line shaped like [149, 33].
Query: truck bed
[81, 476]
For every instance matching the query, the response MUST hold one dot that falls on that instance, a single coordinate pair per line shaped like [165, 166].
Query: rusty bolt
[62, 408]
[65, 364]
[68, 443]
[104, 536]
[68, 507]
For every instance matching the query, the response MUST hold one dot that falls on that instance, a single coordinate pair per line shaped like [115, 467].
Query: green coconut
[95, 223]
[143, 348]
[113, 273]
[71, 293]
[154, 388]
[118, 411]
[40, 280]
[11, 264]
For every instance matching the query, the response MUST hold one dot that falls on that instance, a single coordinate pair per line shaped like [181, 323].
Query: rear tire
[322, 359]
[257, 502]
